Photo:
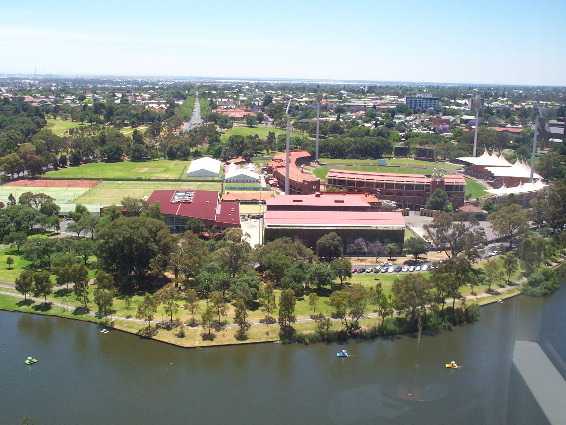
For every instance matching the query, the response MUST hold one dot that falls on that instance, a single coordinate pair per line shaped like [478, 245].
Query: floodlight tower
[537, 113]
[477, 103]
[318, 97]
[287, 144]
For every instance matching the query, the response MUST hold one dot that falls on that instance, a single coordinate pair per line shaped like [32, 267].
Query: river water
[87, 377]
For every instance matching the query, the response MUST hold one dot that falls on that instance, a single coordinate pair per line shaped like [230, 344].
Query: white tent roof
[522, 188]
[519, 169]
[241, 172]
[206, 164]
[487, 159]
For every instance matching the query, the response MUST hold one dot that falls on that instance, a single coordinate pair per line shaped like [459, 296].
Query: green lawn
[147, 170]
[10, 275]
[474, 189]
[112, 192]
[396, 161]
[321, 172]
[62, 195]
[262, 132]
[60, 127]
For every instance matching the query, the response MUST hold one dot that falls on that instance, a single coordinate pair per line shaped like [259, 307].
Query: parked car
[418, 268]
[411, 268]
[369, 270]
[376, 270]
[384, 269]
[353, 270]
[424, 268]
[398, 269]
[361, 270]
[391, 269]
[405, 269]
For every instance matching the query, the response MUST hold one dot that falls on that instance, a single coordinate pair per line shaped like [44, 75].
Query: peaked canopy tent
[204, 167]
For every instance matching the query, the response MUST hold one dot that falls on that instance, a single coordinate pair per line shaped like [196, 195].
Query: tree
[266, 298]
[251, 120]
[492, 269]
[61, 266]
[510, 264]
[241, 318]
[9, 262]
[550, 205]
[191, 304]
[287, 302]
[376, 249]
[384, 304]
[415, 247]
[276, 264]
[168, 297]
[104, 300]
[127, 246]
[541, 282]
[236, 254]
[391, 249]
[24, 283]
[329, 247]
[411, 295]
[218, 304]
[452, 233]
[78, 275]
[313, 300]
[42, 284]
[349, 305]
[450, 276]
[532, 253]
[437, 200]
[76, 227]
[342, 269]
[147, 309]
[319, 275]
[510, 222]
[207, 319]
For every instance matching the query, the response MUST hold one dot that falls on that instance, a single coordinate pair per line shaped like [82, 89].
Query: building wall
[310, 236]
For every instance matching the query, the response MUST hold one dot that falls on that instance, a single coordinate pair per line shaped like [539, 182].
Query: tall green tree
[78, 275]
[342, 269]
[510, 222]
[168, 296]
[147, 309]
[24, 283]
[329, 247]
[42, 285]
[415, 247]
[287, 303]
[191, 304]
[411, 295]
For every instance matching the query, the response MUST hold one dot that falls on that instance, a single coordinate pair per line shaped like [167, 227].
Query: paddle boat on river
[342, 353]
[452, 365]
[30, 361]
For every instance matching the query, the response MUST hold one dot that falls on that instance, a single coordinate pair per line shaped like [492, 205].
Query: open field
[262, 132]
[474, 189]
[61, 127]
[321, 172]
[406, 162]
[147, 170]
[112, 192]
[62, 195]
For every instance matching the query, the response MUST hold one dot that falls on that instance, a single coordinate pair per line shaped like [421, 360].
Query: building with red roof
[178, 206]
[309, 226]
[299, 181]
[407, 190]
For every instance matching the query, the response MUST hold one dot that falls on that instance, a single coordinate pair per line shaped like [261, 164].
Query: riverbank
[197, 336]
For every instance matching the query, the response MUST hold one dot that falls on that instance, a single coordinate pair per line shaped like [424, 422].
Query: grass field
[321, 172]
[162, 169]
[396, 161]
[62, 195]
[60, 127]
[112, 192]
[474, 189]
[262, 132]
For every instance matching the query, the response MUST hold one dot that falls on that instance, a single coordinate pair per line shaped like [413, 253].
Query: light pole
[259, 222]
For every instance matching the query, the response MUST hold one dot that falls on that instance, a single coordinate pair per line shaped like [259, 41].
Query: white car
[424, 268]
[411, 268]
[391, 269]
[405, 269]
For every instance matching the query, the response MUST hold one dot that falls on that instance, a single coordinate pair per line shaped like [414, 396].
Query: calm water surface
[86, 377]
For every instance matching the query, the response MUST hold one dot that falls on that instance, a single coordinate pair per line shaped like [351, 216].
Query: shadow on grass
[147, 332]
[44, 306]
[25, 303]
[64, 292]
[208, 336]
[79, 311]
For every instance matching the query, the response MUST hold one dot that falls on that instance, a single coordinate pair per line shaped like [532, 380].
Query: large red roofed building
[178, 206]
[299, 181]
[309, 226]
[407, 190]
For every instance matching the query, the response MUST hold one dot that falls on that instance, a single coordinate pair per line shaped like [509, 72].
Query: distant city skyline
[484, 42]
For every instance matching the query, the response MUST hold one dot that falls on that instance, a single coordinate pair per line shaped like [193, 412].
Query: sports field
[112, 192]
[262, 132]
[61, 194]
[148, 170]
[60, 127]
[323, 171]
[403, 162]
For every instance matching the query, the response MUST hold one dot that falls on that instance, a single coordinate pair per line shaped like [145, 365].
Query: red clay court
[53, 183]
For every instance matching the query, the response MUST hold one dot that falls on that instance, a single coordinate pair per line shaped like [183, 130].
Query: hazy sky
[451, 41]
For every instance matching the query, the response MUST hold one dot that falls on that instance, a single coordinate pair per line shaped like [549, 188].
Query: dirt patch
[53, 183]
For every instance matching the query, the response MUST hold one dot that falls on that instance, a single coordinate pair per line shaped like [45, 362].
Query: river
[87, 377]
